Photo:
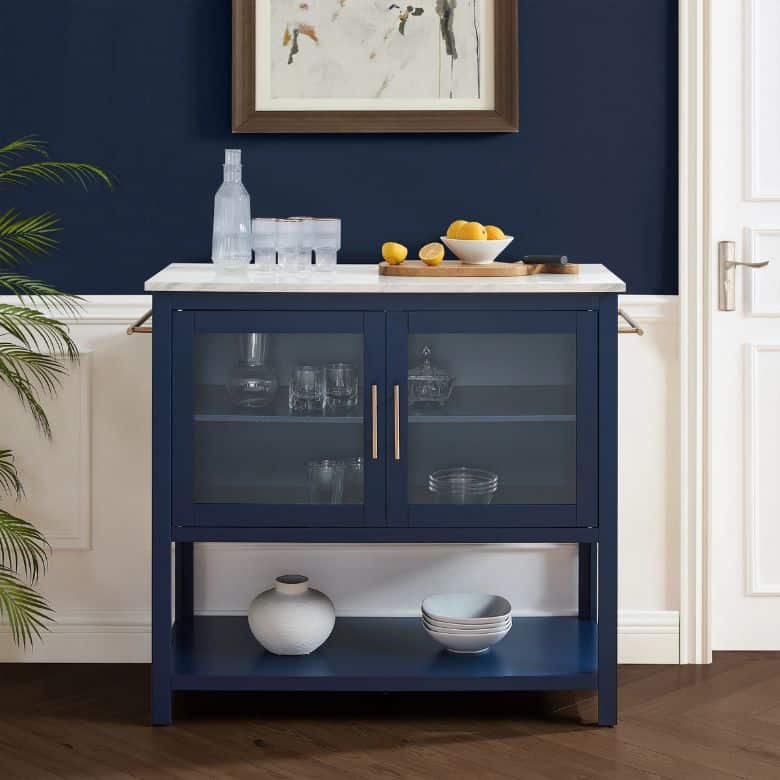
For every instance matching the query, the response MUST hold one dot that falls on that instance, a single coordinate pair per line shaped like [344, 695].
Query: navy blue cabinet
[292, 417]
[521, 404]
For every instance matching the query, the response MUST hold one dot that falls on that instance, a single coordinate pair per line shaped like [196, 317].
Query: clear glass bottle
[253, 383]
[232, 239]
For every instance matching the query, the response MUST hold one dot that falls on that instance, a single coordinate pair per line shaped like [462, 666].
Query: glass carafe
[232, 238]
[253, 383]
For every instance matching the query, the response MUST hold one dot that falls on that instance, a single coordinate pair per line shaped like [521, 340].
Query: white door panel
[744, 445]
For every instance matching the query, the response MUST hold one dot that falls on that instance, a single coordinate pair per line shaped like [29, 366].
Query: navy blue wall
[142, 87]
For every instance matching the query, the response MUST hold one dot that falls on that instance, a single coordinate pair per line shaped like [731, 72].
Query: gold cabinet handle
[374, 422]
[397, 420]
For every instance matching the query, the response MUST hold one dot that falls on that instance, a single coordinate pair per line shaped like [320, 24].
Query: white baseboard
[125, 637]
[649, 637]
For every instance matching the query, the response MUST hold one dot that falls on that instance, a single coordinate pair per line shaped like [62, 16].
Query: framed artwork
[375, 66]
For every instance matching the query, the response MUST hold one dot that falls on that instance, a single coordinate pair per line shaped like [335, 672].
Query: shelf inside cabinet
[387, 654]
[213, 405]
[516, 403]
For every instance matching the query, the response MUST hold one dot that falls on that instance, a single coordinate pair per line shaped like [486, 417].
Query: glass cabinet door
[276, 419]
[496, 418]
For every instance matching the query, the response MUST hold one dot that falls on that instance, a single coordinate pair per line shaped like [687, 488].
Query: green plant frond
[35, 293]
[27, 393]
[30, 144]
[10, 484]
[22, 236]
[39, 369]
[56, 173]
[22, 543]
[27, 612]
[35, 330]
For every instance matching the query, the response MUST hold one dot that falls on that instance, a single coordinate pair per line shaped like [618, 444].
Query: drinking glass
[306, 389]
[326, 481]
[341, 386]
[326, 242]
[288, 243]
[264, 243]
[353, 481]
[306, 242]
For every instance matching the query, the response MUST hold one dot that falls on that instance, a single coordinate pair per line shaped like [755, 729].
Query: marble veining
[204, 277]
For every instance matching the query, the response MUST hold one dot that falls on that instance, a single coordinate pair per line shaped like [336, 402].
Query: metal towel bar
[139, 325]
[633, 327]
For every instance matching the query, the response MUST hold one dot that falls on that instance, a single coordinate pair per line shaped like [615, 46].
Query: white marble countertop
[205, 277]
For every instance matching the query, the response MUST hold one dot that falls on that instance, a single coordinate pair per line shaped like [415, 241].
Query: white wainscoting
[101, 591]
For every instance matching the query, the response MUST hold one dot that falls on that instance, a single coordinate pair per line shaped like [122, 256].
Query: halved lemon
[432, 254]
[394, 253]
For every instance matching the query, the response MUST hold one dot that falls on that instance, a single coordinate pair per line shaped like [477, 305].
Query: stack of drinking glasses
[463, 485]
[331, 388]
[289, 245]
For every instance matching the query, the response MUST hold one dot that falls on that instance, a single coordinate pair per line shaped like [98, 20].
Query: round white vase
[291, 618]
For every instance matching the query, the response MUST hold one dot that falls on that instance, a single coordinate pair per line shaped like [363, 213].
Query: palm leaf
[9, 478]
[22, 543]
[30, 144]
[22, 366]
[40, 294]
[23, 607]
[27, 393]
[35, 330]
[56, 173]
[22, 236]
[39, 369]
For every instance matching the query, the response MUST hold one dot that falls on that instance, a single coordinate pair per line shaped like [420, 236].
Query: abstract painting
[375, 65]
[346, 50]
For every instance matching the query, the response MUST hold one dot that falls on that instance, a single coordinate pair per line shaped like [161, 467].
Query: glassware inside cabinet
[429, 385]
[254, 438]
[253, 384]
[506, 432]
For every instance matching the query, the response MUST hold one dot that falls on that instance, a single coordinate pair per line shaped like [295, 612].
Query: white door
[744, 421]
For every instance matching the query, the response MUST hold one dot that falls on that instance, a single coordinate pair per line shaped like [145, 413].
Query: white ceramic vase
[291, 618]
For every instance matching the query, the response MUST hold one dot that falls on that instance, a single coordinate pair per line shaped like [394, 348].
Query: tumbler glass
[353, 481]
[264, 243]
[288, 243]
[326, 481]
[306, 243]
[341, 386]
[326, 242]
[306, 389]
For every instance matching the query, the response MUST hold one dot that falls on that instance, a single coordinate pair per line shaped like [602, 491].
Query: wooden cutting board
[456, 268]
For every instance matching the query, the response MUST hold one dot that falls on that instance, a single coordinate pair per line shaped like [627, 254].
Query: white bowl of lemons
[474, 244]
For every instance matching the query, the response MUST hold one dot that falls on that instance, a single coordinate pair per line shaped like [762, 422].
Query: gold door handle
[397, 420]
[374, 422]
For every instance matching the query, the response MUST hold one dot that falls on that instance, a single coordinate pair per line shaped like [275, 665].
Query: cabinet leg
[161, 706]
[185, 582]
[587, 580]
[162, 662]
[607, 632]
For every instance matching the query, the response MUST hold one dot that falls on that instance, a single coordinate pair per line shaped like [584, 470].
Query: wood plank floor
[90, 721]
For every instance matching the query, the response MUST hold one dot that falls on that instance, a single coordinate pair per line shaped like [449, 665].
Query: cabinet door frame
[187, 323]
[584, 512]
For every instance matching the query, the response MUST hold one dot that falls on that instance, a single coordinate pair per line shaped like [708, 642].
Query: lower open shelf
[386, 654]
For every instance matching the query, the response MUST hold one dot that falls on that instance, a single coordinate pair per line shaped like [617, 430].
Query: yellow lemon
[394, 253]
[472, 231]
[494, 233]
[452, 230]
[432, 254]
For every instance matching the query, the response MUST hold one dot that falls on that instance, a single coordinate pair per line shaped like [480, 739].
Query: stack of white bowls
[467, 622]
